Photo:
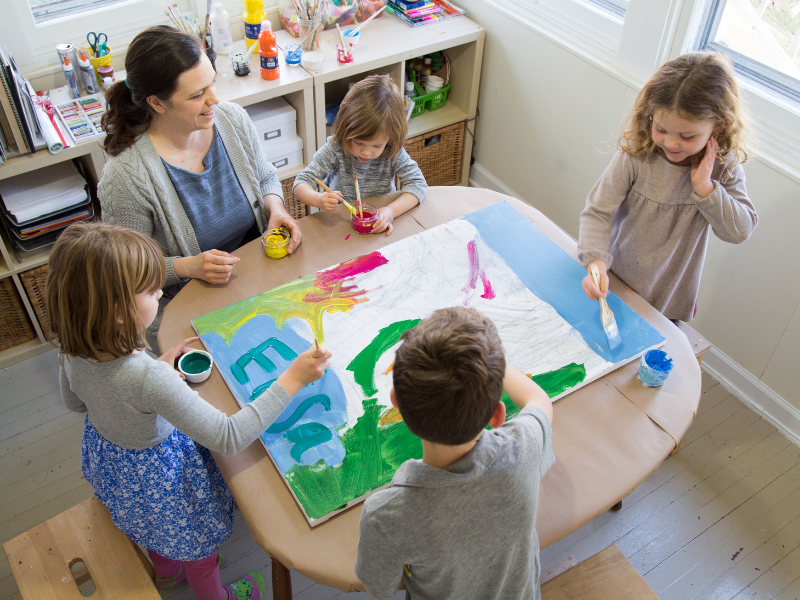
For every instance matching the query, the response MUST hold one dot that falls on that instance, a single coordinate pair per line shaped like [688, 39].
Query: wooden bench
[605, 576]
[699, 344]
[43, 559]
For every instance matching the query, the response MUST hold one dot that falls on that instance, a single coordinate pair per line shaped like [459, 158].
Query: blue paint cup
[654, 368]
[292, 54]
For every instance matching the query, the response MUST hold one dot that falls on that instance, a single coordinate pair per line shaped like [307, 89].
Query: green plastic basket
[430, 101]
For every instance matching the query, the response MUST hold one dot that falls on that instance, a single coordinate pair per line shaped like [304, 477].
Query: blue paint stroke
[279, 427]
[554, 276]
[307, 436]
[255, 332]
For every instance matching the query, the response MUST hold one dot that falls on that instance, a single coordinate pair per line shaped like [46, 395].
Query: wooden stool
[41, 559]
[605, 576]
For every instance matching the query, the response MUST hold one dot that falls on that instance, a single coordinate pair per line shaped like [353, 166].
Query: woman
[186, 169]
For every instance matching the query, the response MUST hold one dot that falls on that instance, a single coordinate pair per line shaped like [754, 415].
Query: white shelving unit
[385, 45]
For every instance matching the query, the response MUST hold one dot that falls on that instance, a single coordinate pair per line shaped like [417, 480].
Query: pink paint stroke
[475, 271]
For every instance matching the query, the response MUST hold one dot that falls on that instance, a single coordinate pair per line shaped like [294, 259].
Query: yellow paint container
[276, 242]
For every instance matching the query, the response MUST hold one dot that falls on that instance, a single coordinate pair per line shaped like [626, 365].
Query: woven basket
[35, 282]
[440, 162]
[15, 328]
[295, 208]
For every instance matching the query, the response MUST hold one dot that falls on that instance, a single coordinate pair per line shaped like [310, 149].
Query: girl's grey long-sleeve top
[644, 218]
[136, 402]
[338, 170]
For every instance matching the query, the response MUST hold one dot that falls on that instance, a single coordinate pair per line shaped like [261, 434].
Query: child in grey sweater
[144, 428]
[676, 178]
[367, 144]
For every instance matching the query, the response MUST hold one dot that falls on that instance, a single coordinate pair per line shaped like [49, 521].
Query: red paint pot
[344, 55]
[363, 224]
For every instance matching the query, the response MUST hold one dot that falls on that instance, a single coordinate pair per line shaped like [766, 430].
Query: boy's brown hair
[700, 86]
[95, 272]
[448, 375]
[373, 107]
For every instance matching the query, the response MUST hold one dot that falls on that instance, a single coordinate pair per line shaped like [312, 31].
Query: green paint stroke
[372, 455]
[363, 365]
[552, 382]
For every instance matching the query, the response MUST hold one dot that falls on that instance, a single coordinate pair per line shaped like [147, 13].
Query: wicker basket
[15, 328]
[440, 162]
[35, 282]
[295, 208]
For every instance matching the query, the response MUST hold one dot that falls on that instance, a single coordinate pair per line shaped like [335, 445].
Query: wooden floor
[719, 520]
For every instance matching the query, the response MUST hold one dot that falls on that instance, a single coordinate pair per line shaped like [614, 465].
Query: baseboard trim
[762, 399]
[480, 177]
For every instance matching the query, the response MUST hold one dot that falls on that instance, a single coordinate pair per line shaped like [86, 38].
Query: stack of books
[423, 12]
[36, 206]
[24, 123]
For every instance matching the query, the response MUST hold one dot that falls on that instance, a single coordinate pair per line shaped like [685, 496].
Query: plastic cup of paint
[654, 368]
[344, 55]
[276, 242]
[293, 54]
[350, 36]
[364, 223]
[196, 365]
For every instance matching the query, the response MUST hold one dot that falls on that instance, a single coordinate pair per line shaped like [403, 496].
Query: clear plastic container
[276, 242]
[363, 223]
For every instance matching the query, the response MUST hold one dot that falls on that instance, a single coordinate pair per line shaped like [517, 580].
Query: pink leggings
[202, 575]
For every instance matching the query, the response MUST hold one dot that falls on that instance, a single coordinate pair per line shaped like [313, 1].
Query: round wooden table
[608, 436]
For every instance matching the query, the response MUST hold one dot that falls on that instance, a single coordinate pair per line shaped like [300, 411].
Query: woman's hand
[171, 355]
[213, 266]
[701, 169]
[384, 220]
[329, 200]
[588, 283]
[278, 217]
[306, 368]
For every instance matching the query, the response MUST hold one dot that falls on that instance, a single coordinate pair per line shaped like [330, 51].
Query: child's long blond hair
[700, 86]
[95, 272]
[374, 106]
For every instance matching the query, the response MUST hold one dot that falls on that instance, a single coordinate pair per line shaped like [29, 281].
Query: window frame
[756, 73]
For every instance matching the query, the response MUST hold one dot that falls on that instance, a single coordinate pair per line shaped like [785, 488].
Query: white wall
[549, 120]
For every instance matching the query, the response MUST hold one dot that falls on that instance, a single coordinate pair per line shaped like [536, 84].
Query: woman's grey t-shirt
[214, 201]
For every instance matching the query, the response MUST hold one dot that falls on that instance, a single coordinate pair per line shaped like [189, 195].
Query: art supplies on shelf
[423, 13]
[330, 13]
[429, 79]
[82, 117]
[20, 130]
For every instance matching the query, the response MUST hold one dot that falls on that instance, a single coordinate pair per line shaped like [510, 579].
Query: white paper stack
[42, 192]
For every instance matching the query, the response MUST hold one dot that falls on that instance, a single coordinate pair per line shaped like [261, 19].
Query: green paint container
[196, 365]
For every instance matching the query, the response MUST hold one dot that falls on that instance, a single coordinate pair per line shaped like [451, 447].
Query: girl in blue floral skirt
[147, 434]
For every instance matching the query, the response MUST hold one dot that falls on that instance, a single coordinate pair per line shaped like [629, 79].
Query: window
[47, 10]
[762, 37]
[615, 8]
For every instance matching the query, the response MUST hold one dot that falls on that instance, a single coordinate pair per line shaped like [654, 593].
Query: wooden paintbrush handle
[321, 184]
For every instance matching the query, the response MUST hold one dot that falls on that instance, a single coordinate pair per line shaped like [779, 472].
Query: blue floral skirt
[171, 499]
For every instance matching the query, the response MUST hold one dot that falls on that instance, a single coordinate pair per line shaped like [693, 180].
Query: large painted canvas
[340, 439]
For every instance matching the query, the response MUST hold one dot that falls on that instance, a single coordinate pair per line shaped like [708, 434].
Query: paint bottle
[221, 30]
[87, 73]
[252, 16]
[72, 82]
[426, 70]
[270, 66]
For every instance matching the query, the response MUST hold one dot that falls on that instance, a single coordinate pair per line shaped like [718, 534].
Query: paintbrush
[358, 197]
[316, 343]
[321, 184]
[205, 29]
[375, 14]
[606, 316]
[341, 38]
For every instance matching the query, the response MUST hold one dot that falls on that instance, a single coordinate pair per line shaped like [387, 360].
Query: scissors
[97, 41]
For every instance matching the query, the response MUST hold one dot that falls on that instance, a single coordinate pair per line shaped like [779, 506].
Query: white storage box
[275, 120]
[285, 154]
